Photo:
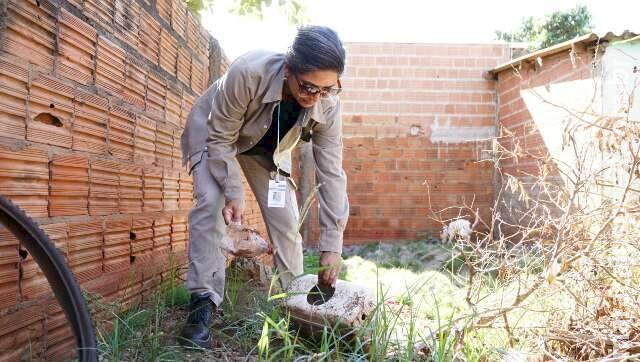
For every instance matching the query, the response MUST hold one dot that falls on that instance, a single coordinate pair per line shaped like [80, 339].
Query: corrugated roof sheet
[586, 39]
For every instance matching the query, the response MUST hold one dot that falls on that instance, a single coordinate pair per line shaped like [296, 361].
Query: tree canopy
[552, 29]
[295, 9]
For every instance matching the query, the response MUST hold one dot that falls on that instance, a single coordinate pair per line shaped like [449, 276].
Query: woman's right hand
[232, 212]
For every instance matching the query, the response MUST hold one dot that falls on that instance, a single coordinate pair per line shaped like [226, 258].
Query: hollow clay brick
[103, 187]
[162, 232]
[170, 189]
[135, 82]
[121, 125]
[193, 32]
[168, 52]
[179, 233]
[131, 292]
[24, 178]
[58, 340]
[155, 96]
[144, 147]
[130, 189]
[30, 32]
[19, 327]
[69, 186]
[110, 67]
[107, 286]
[150, 37]
[164, 145]
[197, 76]
[161, 256]
[117, 244]
[76, 49]
[185, 191]
[9, 271]
[89, 129]
[179, 18]
[85, 249]
[53, 97]
[143, 231]
[58, 234]
[176, 155]
[101, 12]
[164, 9]
[32, 284]
[127, 21]
[152, 189]
[13, 98]
[174, 102]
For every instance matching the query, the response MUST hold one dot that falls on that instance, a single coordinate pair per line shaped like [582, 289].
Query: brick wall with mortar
[93, 98]
[414, 113]
[520, 92]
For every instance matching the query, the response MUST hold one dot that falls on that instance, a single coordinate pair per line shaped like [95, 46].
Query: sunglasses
[312, 89]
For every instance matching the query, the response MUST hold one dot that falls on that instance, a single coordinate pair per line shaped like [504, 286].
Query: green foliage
[552, 29]
[295, 9]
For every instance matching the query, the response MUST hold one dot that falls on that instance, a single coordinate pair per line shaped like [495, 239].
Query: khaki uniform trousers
[206, 273]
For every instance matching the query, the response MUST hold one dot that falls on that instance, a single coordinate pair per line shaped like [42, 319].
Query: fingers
[232, 212]
[226, 215]
[328, 275]
[333, 275]
[237, 215]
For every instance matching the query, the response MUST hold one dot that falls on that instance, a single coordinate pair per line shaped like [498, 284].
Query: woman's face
[322, 79]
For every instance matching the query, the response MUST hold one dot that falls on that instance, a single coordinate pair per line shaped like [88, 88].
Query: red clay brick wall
[93, 99]
[414, 113]
[518, 127]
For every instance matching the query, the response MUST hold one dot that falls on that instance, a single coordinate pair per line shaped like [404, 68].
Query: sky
[405, 21]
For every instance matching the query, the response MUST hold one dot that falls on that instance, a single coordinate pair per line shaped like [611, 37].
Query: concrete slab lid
[349, 306]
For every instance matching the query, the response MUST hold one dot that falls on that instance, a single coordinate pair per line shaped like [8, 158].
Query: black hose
[58, 275]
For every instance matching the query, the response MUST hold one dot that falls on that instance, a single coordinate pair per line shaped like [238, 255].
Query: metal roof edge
[554, 49]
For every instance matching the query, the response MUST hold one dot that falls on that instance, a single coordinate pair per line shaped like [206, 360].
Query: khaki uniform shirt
[236, 111]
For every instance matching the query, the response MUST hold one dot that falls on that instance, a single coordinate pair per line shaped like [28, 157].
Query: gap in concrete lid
[320, 294]
[49, 119]
[132, 235]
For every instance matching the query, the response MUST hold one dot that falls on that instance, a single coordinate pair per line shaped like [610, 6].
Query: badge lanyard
[277, 187]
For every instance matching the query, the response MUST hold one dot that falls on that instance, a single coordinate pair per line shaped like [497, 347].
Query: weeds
[420, 315]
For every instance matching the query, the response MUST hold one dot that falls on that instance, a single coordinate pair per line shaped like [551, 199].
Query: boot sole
[195, 343]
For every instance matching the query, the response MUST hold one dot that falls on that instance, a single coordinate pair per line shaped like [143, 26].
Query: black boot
[196, 332]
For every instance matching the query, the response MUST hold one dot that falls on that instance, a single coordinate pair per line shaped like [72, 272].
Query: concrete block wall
[93, 98]
[416, 114]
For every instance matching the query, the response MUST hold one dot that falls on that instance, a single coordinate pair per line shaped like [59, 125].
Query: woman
[251, 118]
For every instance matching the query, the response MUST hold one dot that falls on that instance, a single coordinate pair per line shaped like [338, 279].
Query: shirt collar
[274, 94]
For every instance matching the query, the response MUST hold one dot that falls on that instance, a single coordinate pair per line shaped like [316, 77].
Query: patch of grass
[421, 314]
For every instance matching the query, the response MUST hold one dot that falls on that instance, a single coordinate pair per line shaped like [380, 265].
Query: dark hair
[315, 48]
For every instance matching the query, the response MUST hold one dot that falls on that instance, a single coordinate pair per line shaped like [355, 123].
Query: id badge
[277, 193]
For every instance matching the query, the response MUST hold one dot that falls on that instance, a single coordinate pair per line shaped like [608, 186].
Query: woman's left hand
[330, 264]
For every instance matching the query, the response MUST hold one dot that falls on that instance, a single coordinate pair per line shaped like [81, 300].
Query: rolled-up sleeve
[229, 105]
[332, 194]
